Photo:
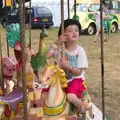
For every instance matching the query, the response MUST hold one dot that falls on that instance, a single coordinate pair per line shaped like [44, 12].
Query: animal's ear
[11, 58]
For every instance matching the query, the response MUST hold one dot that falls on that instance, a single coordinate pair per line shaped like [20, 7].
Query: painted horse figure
[56, 106]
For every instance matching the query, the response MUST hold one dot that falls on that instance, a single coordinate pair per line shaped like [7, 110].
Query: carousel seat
[13, 98]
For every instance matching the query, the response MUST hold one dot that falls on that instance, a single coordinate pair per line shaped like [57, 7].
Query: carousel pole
[1, 78]
[22, 41]
[8, 53]
[102, 59]
[62, 30]
[68, 4]
[30, 25]
[75, 9]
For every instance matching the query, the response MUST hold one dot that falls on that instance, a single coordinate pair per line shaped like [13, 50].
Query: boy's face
[73, 32]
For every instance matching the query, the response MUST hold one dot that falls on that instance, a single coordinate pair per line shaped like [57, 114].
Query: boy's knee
[71, 97]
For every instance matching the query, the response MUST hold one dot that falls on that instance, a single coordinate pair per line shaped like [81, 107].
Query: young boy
[75, 63]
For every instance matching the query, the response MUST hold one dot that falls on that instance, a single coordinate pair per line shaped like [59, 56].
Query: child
[75, 64]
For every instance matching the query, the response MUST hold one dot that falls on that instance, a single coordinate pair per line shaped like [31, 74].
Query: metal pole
[6, 25]
[102, 59]
[30, 25]
[75, 9]
[68, 4]
[1, 78]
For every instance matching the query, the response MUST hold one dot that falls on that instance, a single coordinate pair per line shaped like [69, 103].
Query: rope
[22, 41]
[2, 80]
[62, 30]
[30, 25]
[102, 60]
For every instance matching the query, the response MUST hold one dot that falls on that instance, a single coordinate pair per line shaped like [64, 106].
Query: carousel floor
[39, 111]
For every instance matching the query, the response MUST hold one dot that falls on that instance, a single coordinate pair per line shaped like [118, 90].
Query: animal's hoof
[34, 105]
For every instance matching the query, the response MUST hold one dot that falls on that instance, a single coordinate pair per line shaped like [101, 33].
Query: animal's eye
[4, 65]
[13, 68]
[39, 82]
[48, 78]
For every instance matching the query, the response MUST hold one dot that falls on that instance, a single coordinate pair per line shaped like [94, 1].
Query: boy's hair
[68, 22]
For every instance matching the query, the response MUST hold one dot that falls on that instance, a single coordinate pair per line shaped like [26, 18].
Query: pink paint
[9, 67]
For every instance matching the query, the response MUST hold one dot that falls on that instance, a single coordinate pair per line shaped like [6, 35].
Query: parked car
[40, 16]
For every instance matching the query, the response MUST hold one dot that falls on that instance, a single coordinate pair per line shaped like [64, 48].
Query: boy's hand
[27, 52]
[62, 38]
[65, 64]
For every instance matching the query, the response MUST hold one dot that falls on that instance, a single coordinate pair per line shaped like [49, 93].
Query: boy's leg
[72, 98]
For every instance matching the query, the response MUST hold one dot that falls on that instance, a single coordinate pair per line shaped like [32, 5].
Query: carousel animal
[12, 104]
[38, 60]
[9, 70]
[56, 106]
[29, 73]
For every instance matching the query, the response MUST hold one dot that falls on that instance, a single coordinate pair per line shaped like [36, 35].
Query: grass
[93, 51]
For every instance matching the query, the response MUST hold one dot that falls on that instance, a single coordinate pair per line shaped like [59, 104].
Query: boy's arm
[77, 71]
[73, 70]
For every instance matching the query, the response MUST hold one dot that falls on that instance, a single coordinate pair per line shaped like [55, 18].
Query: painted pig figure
[9, 69]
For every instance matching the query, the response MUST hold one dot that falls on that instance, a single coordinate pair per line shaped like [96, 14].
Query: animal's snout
[10, 70]
[14, 69]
